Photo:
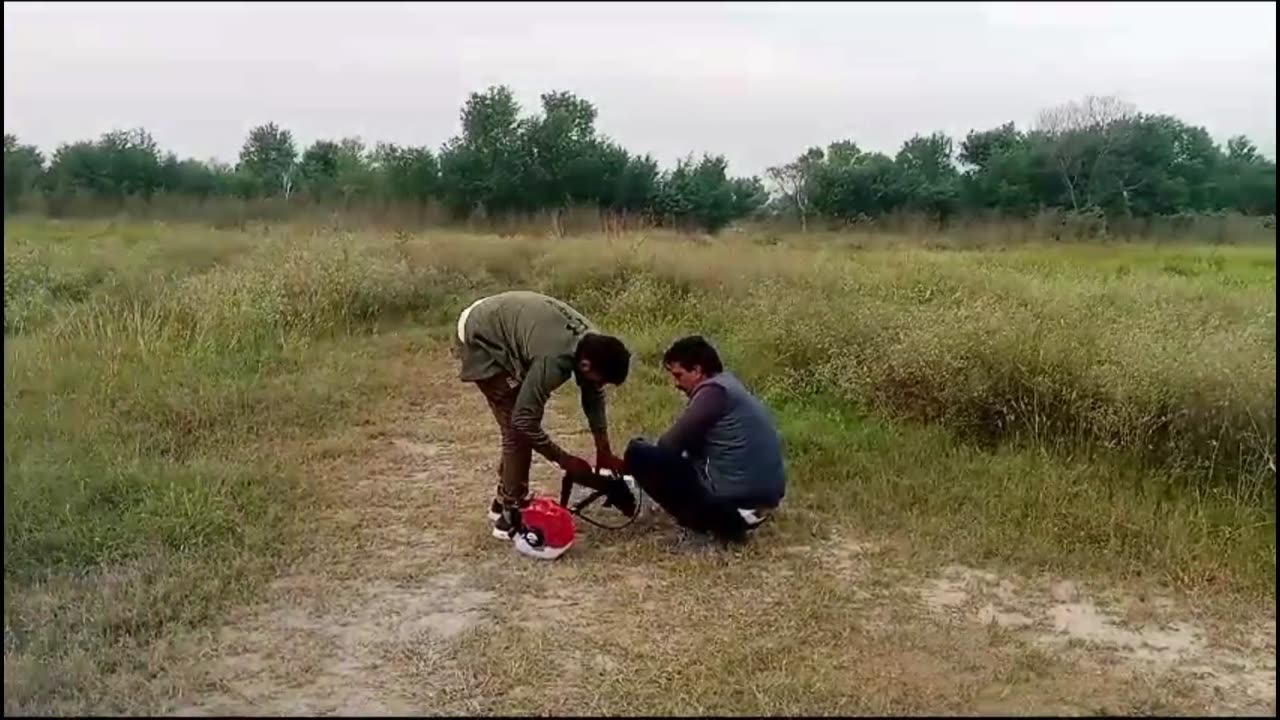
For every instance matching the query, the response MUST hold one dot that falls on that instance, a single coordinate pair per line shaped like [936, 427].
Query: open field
[240, 477]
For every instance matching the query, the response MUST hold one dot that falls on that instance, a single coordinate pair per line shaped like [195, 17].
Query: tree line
[1098, 156]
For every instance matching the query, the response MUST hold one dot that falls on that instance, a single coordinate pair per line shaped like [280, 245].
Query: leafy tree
[1079, 137]
[562, 158]
[1158, 166]
[118, 165]
[627, 185]
[853, 184]
[268, 158]
[406, 173]
[929, 180]
[133, 162]
[318, 169]
[190, 177]
[483, 169]
[355, 177]
[1006, 172]
[702, 195]
[23, 166]
[981, 147]
[638, 186]
[1245, 180]
[749, 195]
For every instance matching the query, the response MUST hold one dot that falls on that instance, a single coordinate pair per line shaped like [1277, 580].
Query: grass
[1077, 409]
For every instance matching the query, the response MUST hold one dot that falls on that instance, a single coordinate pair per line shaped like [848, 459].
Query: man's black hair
[608, 356]
[694, 351]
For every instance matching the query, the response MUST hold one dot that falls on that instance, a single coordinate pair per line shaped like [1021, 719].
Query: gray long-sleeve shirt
[707, 406]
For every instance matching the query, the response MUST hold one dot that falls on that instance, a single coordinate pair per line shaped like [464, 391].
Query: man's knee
[638, 452]
[512, 439]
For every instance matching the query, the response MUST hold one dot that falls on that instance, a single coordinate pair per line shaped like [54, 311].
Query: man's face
[685, 378]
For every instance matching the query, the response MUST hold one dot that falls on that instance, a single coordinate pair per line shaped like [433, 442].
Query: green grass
[1069, 409]
[160, 387]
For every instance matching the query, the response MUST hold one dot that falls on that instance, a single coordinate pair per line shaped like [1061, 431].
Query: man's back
[507, 331]
[742, 452]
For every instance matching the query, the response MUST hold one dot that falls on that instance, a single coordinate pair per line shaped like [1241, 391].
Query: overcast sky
[757, 82]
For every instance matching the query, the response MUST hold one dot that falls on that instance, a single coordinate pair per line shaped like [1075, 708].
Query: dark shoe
[507, 524]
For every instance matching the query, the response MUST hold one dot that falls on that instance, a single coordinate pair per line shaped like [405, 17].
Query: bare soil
[406, 605]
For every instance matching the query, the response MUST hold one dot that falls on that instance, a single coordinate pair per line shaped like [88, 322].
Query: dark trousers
[513, 471]
[672, 482]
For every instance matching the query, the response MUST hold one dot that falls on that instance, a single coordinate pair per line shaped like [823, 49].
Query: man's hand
[606, 460]
[575, 465]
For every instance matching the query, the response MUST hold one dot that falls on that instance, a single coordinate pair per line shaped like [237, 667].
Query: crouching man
[718, 470]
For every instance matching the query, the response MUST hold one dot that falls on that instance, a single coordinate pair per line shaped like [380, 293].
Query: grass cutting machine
[618, 492]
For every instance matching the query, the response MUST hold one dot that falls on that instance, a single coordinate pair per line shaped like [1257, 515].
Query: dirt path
[407, 606]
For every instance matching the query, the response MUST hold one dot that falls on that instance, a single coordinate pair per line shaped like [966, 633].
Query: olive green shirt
[532, 338]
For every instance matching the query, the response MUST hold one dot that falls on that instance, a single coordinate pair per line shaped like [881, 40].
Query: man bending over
[518, 347]
[720, 465]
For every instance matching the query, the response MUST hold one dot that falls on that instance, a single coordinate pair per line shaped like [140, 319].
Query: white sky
[757, 82]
